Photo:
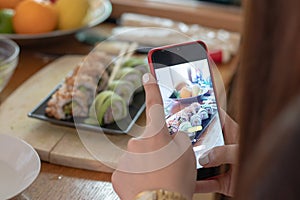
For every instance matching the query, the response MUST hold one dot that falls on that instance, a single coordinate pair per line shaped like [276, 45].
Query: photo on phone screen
[186, 85]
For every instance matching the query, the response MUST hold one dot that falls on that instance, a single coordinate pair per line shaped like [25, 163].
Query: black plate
[121, 127]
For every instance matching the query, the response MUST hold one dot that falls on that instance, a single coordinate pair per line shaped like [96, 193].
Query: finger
[219, 155]
[152, 90]
[207, 186]
[231, 130]
[154, 107]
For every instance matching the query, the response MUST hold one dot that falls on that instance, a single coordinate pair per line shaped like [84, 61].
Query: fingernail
[204, 159]
[146, 78]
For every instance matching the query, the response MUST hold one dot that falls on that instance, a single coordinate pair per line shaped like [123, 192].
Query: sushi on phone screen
[190, 104]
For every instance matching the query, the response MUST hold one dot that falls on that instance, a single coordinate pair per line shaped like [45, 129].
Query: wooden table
[55, 181]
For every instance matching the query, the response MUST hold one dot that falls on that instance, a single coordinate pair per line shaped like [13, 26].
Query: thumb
[226, 154]
[155, 116]
[152, 91]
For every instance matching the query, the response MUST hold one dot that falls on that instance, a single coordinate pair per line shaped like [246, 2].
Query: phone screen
[184, 78]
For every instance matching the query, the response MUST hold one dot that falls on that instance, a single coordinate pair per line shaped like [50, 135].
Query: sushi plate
[121, 127]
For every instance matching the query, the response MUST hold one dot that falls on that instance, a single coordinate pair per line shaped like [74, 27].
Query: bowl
[190, 100]
[9, 56]
[19, 166]
[98, 12]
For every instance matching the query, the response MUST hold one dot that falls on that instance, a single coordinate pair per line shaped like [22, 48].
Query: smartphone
[187, 88]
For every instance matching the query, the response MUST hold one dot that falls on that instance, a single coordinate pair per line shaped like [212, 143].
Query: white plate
[99, 11]
[19, 166]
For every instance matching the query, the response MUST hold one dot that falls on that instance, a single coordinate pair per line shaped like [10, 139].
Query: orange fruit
[185, 92]
[32, 17]
[9, 3]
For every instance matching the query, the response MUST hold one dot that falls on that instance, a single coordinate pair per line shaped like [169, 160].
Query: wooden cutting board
[54, 143]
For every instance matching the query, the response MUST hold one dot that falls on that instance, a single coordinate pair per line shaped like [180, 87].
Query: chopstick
[124, 54]
[131, 49]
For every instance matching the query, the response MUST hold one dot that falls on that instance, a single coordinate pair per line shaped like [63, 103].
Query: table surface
[55, 181]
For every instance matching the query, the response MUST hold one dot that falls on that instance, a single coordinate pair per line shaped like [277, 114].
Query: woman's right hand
[156, 160]
[217, 156]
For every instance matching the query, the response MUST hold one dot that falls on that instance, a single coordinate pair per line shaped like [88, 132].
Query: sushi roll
[196, 120]
[196, 106]
[189, 111]
[131, 75]
[209, 108]
[94, 65]
[87, 85]
[136, 63]
[124, 89]
[66, 104]
[203, 114]
[107, 108]
[173, 126]
[184, 126]
[80, 104]
[97, 60]
[184, 117]
[94, 70]
[77, 91]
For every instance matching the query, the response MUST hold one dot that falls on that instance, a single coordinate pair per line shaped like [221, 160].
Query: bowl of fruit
[41, 21]
[189, 93]
[9, 55]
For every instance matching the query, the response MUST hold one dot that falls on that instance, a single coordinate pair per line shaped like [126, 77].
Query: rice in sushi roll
[196, 120]
[203, 114]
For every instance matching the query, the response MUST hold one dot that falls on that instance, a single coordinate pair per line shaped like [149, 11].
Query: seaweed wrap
[132, 75]
[123, 88]
[107, 108]
[102, 82]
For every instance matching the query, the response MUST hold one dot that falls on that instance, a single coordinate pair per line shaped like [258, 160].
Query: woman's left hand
[227, 154]
[156, 160]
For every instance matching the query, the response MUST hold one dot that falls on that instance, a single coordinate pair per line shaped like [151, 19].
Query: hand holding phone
[186, 84]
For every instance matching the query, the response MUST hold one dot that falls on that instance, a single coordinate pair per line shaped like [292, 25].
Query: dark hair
[269, 73]
[272, 170]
